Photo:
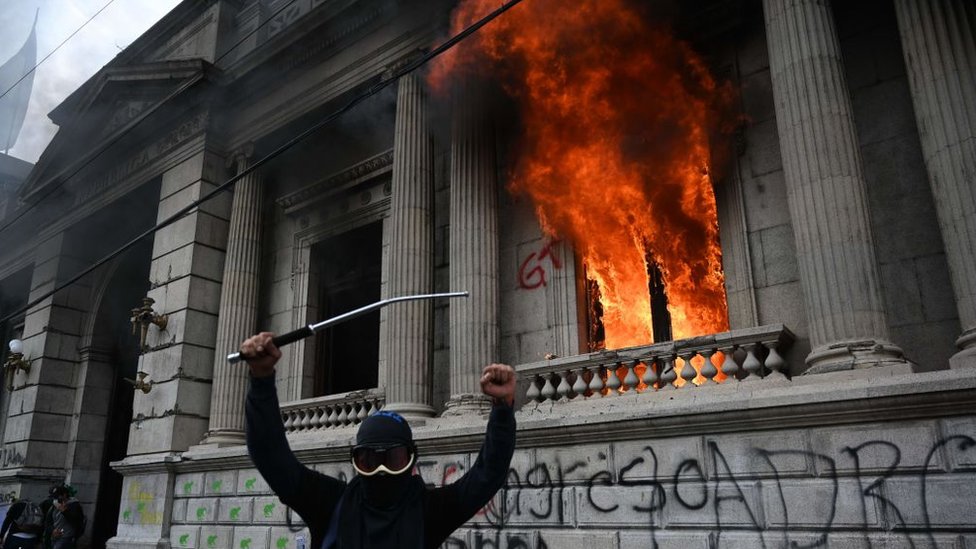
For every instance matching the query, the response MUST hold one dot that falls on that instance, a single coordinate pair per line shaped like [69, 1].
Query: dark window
[349, 268]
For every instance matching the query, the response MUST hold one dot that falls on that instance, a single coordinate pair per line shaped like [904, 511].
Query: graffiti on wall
[141, 508]
[874, 479]
[791, 495]
[10, 456]
[533, 269]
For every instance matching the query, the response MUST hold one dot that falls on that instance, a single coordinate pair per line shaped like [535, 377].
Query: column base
[414, 412]
[221, 438]
[855, 355]
[966, 358]
[467, 404]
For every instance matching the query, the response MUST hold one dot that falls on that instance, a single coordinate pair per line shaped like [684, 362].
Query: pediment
[111, 105]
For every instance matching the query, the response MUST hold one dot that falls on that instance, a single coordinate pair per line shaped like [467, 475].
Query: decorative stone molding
[367, 170]
[188, 129]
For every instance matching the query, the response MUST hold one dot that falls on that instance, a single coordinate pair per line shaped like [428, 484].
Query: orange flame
[615, 151]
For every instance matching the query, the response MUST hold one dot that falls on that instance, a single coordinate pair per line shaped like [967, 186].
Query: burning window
[614, 152]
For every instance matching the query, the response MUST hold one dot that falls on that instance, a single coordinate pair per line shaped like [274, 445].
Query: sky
[81, 57]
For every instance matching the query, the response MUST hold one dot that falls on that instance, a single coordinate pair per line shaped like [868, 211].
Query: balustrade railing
[331, 412]
[748, 355]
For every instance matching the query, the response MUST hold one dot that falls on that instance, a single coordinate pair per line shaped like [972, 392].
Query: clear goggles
[369, 461]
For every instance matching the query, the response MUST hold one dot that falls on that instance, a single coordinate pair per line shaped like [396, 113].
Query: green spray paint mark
[281, 543]
[235, 513]
[127, 514]
[201, 512]
[269, 510]
[249, 483]
[141, 506]
[184, 539]
[246, 543]
[216, 485]
[212, 541]
[187, 487]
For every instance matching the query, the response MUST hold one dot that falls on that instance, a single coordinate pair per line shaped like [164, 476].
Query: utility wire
[373, 90]
[63, 42]
[190, 80]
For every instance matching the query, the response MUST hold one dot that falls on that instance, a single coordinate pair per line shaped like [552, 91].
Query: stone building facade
[848, 233]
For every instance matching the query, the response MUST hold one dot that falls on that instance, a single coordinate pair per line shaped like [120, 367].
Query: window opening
[350, 268]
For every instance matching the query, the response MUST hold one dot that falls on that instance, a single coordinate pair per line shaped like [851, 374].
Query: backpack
[31, 519]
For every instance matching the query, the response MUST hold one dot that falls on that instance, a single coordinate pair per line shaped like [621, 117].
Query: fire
[614, 154]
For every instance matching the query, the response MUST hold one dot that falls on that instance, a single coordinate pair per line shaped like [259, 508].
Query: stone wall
[839, 462]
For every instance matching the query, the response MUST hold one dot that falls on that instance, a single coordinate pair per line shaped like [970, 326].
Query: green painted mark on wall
[246, 543]
[127, 514]
[141, 506]
[212, 541]
[201, 512]
[269, 510]
[249, 483]
[215, 485]
[187, 487]
[281, 543]
[184, 539]
[235, 513]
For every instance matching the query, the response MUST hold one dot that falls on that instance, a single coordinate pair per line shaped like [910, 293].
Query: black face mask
[383, 512]
[385, 491]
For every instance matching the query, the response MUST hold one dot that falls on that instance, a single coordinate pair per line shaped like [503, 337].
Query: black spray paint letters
[536, 495]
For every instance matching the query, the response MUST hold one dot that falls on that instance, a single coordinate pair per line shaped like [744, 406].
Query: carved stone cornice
[402, 62]
[369, 169]
[139, 159]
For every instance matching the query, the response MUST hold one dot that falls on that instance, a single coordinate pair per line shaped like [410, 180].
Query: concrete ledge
[839, 398]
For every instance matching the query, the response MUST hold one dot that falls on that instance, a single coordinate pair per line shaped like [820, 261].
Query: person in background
[65, 520]
[22, 526]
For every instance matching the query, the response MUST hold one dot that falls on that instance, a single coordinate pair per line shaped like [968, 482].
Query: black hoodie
[314, 496]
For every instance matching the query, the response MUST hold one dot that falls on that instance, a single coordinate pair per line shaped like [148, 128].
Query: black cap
[384, 430]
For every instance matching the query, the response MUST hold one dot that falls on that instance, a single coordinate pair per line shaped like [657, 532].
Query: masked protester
[65, 521]
[385, 505]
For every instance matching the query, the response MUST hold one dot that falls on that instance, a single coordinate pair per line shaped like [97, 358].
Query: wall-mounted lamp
[142, 317]
[16, 361]
[140, 383]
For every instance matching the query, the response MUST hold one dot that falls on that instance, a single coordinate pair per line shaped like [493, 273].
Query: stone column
[826, 190]
[473, 249]
[940, 55]
[409, 325]
[237, 316]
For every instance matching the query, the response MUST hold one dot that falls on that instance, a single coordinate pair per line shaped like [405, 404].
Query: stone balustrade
[748, 355]
[331, 412]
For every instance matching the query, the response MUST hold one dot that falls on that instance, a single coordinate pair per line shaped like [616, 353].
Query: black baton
[302, 333]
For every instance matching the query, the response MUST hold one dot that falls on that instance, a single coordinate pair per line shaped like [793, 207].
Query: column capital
[240, 156]
[391, 68]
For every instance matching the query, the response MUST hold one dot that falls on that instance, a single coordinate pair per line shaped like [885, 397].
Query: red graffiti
[449, 472]
[532, 274]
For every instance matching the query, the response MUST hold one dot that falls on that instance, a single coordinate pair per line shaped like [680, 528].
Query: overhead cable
[370, 92]
[63, 42]
[189, 81]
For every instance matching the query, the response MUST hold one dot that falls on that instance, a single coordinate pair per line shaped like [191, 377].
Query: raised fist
[498, 382]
